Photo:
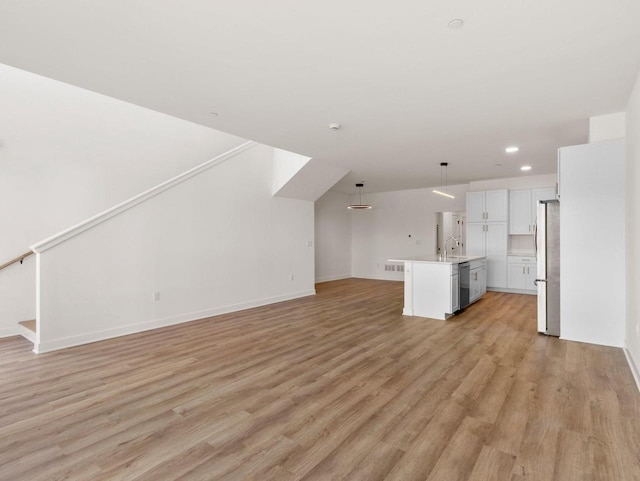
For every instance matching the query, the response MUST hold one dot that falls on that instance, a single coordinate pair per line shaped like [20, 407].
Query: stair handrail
[19, 259]
[137, 199]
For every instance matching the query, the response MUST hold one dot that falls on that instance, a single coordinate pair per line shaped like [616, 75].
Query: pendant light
[360, 204]
[443, 186]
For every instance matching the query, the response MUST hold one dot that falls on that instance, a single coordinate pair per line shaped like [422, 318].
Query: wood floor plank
[492, 465]
[335, 386]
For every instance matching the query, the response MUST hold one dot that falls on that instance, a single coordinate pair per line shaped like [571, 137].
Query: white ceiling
[409, 92]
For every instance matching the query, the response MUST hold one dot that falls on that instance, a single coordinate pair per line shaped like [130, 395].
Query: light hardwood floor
[336, 386]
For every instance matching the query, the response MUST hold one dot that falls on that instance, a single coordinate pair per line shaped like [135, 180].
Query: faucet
[445, 245]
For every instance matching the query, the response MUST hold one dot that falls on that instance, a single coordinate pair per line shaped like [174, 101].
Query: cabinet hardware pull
[523, 270]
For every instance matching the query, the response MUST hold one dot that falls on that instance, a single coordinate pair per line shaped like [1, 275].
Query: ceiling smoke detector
[334, 126]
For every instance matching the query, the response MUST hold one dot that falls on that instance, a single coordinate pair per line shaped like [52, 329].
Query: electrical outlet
[309, 243]
[156, 296]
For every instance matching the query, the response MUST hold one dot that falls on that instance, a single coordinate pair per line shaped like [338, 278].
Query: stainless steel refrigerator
[547, 241]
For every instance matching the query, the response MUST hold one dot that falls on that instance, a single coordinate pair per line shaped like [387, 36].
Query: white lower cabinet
[431, 289]
[497, 271]
[477, 280]
[521, 273]
[532, 275]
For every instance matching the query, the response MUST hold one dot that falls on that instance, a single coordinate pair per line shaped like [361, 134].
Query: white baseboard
[9, 332]
[512, 291]
[633, 366]
[56, 344]
[376, 277]
[596, 342]
[331, 278]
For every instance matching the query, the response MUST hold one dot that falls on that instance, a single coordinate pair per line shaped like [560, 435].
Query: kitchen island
[438, 288]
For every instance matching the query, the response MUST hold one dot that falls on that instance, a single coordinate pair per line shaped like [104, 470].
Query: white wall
[607, 127]
[592, 256]
[333, 236]
[216, 243]
[632, 225]
[300, 177]
[383, 232]
[68, 154]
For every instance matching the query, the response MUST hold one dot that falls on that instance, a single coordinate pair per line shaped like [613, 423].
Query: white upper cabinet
[520, 212]
[475, 207]
[489, 206]
[523, 209]
[496, 205]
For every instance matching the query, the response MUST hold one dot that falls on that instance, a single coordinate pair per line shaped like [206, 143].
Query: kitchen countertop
[435, 260]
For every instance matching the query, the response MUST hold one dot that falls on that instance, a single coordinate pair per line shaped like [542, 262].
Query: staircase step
[31, 325]
[28, 329]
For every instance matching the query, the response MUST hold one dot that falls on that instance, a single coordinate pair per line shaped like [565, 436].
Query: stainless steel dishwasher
[464, 278]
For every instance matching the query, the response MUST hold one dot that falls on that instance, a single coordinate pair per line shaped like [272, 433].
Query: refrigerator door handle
[535, 239]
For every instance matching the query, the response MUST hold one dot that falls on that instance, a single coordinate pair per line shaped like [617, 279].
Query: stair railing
[17, 259]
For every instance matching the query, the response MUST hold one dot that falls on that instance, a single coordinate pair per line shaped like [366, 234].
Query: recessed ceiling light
[525, 167]
[334, 126]
[215, 114]
[511, 150]
[456, 24]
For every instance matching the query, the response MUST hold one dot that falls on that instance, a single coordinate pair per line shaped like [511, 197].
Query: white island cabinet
[432, 286]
